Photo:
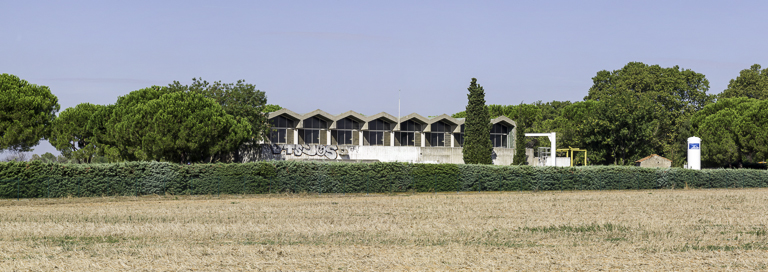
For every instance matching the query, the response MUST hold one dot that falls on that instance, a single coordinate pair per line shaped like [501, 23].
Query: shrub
[39, 179]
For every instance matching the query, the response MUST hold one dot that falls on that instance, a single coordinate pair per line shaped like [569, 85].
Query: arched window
[499, 135]
[345, 131]
[409, 130]
[377, 133]
[437, 136]
[313, 129]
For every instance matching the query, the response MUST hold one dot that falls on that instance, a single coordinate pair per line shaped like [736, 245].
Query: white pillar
[552, 141]
[694, 153]
[391, 138]
[423, 142]
[328, 137]
[295, 136]
[361, 138]
[452, 139]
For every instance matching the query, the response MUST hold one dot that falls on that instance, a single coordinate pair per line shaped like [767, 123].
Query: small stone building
[654, 161]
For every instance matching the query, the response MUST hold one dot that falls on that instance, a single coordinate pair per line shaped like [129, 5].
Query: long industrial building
[352, 136]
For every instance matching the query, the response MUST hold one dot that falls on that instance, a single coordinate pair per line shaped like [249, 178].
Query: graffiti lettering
[298, 150]
[328, 151]
[310, 150]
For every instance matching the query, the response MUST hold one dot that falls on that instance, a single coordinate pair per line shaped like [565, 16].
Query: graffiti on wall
[329, 151]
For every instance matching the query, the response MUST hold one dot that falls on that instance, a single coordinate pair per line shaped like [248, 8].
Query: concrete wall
[414, 154]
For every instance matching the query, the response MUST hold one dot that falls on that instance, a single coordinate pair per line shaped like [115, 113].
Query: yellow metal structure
[570, 151]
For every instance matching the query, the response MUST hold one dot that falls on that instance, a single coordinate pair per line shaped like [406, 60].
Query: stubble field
[609, 230]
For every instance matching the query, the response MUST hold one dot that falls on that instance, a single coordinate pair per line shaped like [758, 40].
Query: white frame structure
[552, 140]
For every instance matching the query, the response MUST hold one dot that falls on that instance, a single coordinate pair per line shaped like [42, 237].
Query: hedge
[38, 179]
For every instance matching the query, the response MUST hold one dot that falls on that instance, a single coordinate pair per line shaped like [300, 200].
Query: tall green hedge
[37, 179]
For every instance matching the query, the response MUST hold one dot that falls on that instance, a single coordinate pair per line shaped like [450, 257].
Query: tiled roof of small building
[651, 156]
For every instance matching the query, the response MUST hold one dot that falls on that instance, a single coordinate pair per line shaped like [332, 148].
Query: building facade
[351, 136]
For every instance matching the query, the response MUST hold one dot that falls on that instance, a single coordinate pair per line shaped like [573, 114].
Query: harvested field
[582, 230]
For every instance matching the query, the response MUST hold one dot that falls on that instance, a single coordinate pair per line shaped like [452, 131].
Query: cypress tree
[520, 158]
[477, 128]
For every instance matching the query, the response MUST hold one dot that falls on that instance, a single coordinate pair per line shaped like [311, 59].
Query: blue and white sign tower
[694, 153]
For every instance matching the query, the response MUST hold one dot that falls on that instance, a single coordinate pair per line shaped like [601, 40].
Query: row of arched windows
[378, 132]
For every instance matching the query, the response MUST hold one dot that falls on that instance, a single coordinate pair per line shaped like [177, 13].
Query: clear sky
[356, 55]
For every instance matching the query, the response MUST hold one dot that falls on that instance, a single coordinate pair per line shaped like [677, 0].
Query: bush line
[39, 180]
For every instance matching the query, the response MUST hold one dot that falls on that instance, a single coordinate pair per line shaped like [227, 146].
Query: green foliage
[163, 124]
[477, 127]
[751, 83]
[733, 130]
[619, 129]
[201, 128]
[271, 108]
[98, 126]
[26, 112]
[38, 179]
[240, 99]
[70, 134]
[535, 117]
[126, 126]
[520, 158]
[675, 93]
[45, 158]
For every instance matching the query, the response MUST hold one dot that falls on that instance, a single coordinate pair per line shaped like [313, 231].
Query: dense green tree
[618, 129]
[240, 99]
[733, 131]
[181, 127]
[574, 131]
[721, 142]
[520, 157]
[477, 128]
[678, 94]
[753, 131]
[751, 83]
[97, 125]
[123, 131]
[70, 132]
[26, 112]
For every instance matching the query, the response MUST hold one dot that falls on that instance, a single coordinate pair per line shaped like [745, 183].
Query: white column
[391, 138]
[452, 139]
[295, 136]
[328, 136]
[552, 139]
[423, 142]
[361, 138]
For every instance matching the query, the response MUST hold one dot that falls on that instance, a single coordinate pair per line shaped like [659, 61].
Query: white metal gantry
[552, 138]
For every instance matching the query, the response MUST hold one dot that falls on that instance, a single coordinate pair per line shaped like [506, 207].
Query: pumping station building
[352, 136]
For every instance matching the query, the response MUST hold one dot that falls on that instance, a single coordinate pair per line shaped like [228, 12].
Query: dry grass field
[596, 230]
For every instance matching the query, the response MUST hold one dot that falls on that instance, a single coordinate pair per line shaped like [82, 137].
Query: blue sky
[356, 55]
